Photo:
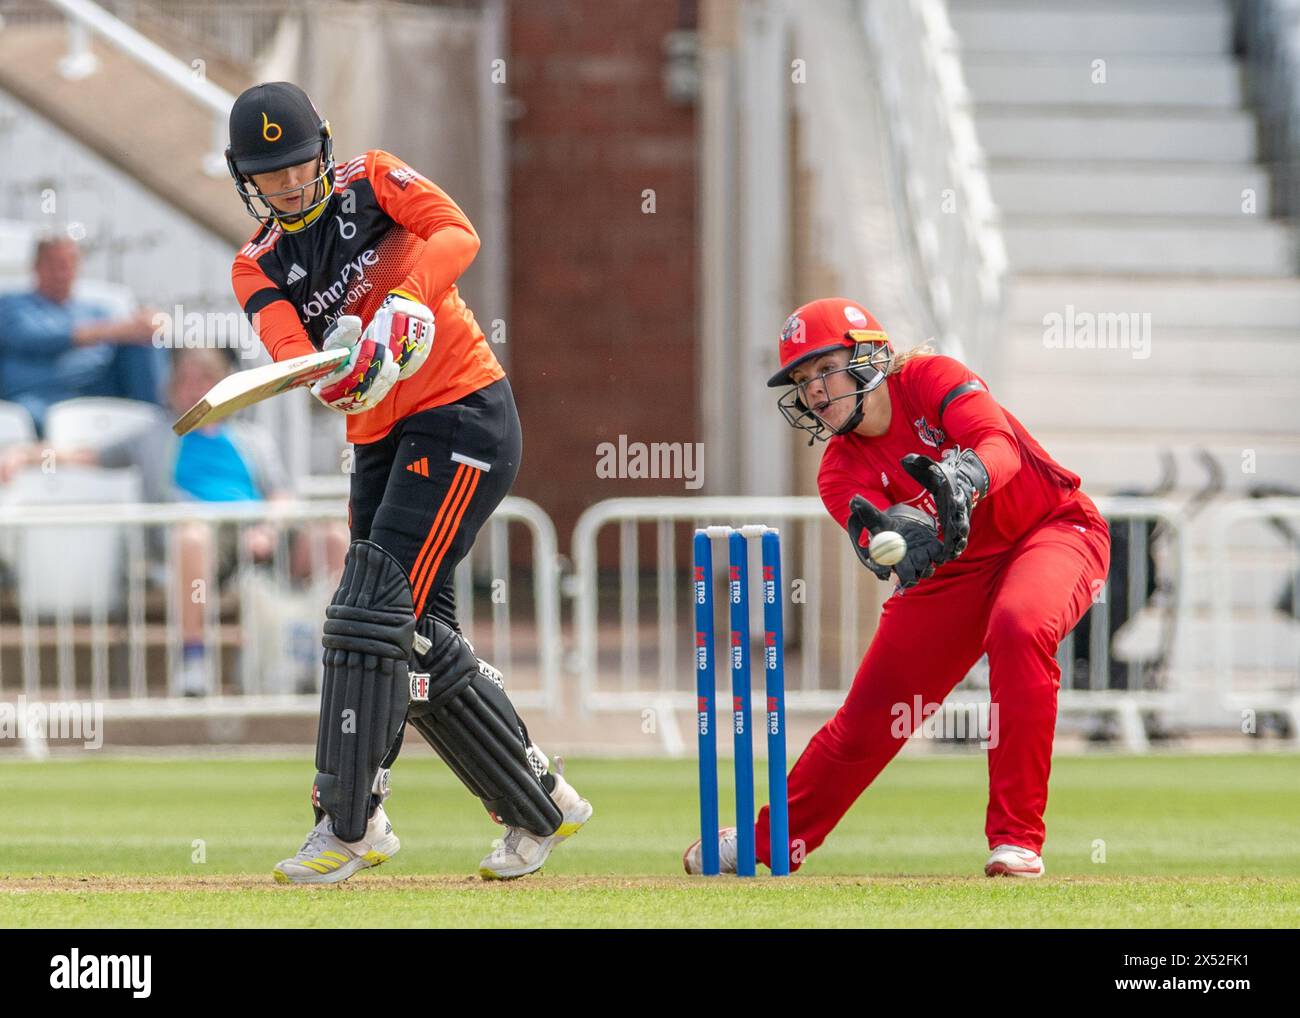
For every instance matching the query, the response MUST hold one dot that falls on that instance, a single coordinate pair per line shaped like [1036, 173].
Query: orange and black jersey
[385, 228]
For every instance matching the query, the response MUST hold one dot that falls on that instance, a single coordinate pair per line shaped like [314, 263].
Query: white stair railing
[86, 19]
[1270, 30]
[948, 208]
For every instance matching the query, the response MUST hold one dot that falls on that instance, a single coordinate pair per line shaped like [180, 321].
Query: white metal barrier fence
[92, 610]
[1117, 662]
[804, 560]
[1181, 629]
[626, 664]
[1255, 610]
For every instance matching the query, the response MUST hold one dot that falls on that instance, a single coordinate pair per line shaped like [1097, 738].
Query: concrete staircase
[1124, 162]
[129, 116]
[1131, 196]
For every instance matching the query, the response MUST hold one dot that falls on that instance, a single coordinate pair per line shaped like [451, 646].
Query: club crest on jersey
[933, 437]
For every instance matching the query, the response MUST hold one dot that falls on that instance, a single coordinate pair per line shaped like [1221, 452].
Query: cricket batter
[918, 446]
[365, 255]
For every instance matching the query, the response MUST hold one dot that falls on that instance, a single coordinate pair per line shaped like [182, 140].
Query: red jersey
[385, 227]
[938, 404]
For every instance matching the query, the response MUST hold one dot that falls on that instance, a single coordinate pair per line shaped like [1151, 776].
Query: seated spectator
[232, 460]
[55, 346]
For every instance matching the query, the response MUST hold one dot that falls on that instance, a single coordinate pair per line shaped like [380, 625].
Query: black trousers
[423, 491]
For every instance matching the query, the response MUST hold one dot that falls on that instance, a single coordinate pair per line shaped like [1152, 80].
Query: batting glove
[364, 379]
[405, 326]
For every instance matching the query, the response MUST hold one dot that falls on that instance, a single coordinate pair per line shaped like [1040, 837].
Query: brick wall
[602, 324]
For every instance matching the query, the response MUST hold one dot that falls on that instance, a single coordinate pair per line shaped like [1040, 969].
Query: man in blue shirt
[55, 346]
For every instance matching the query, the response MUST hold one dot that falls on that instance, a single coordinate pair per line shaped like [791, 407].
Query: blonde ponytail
[896, 363]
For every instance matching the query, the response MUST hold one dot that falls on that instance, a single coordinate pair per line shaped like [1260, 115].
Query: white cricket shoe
[326, 859]
[1014, 861]
[192, 678]
[521, 852]
[693, 861]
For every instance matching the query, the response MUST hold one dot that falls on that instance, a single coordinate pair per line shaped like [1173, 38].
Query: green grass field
[1187, 840]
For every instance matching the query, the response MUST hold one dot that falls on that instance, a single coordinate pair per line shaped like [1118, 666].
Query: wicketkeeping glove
[405, 326]
[364, 378]
[957, 484]
[913, 525]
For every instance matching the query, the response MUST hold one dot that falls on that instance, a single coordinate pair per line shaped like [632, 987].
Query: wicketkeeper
[1004, 555]
[365, 255]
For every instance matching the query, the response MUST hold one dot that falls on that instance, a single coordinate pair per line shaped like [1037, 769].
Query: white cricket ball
[888, 547]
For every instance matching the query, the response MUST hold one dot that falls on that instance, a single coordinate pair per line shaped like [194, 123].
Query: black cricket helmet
[273, 126]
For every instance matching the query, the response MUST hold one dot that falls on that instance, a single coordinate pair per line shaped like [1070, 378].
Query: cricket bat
[244, 388]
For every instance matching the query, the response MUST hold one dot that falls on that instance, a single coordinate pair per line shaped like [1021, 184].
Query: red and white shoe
[693, 857]
[1014, 861]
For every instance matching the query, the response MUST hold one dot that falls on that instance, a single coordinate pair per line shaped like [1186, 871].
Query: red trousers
[1015, 605]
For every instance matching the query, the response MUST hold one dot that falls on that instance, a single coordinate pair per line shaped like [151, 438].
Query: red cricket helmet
[820, 327]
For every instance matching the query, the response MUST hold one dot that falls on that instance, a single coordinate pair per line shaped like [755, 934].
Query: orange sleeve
[420, 205]
[268, 309]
